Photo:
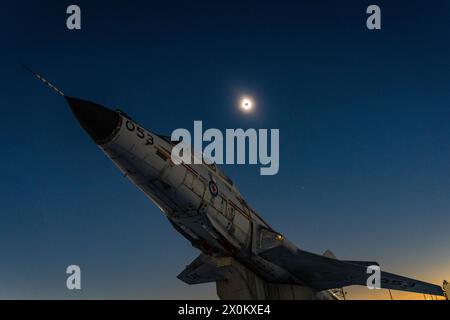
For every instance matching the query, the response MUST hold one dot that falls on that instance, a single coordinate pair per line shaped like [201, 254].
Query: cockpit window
[216, 169]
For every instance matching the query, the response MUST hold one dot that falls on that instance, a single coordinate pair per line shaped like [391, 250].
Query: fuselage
[200, 201]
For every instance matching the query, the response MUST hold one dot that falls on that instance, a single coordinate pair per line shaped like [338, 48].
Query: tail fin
[329, 254]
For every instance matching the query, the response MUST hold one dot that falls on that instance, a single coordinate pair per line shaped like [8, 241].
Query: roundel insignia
[213, 188]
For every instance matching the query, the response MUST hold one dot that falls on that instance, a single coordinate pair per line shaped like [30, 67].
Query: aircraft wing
[322, 272]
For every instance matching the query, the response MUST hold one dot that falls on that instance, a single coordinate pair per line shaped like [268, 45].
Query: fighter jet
[240, 252]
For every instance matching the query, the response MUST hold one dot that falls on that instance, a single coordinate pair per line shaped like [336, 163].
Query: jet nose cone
[99, 122]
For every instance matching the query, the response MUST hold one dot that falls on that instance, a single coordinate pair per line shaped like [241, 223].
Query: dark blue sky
[364, 121]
